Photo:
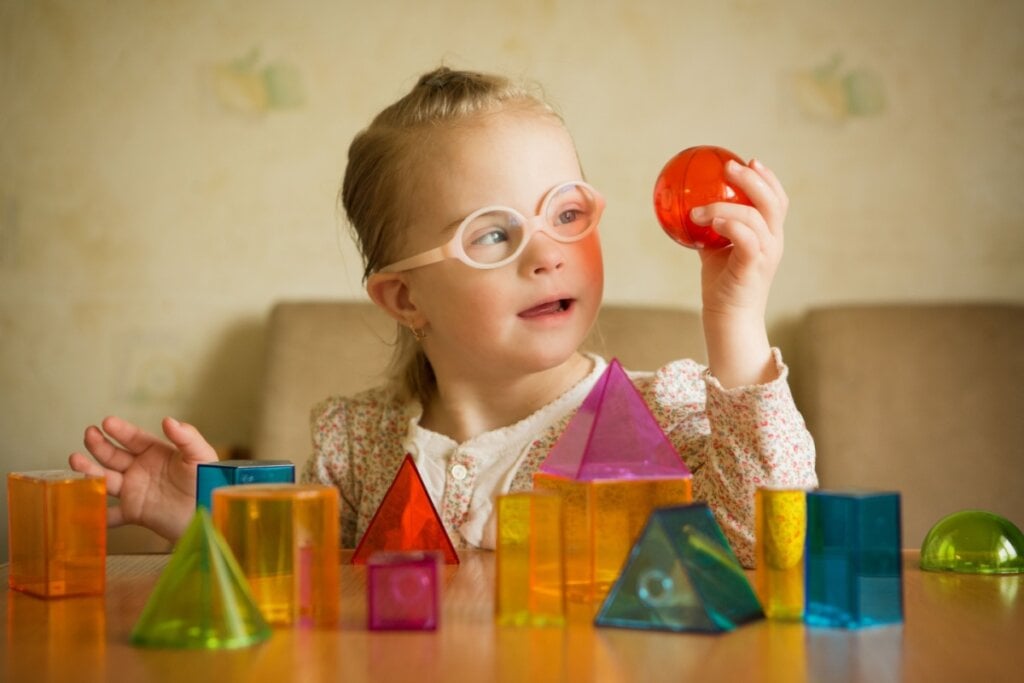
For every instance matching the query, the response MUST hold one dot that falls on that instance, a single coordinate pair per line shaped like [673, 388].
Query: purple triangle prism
[614, 436]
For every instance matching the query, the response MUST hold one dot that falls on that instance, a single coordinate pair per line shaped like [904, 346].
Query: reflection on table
[957, 627]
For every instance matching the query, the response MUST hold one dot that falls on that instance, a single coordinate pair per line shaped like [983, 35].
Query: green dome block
[973, 542]
[202, 600]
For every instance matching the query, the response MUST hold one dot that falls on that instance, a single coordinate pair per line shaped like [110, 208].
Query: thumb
[194, 448]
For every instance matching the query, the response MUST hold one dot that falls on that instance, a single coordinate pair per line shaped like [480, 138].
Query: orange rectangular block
[603, 518]
[58, 533]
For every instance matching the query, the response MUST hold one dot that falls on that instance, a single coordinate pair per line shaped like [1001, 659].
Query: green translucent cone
[681, 576]
[202, 600]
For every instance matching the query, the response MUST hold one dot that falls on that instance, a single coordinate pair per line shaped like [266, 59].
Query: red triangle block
[406, 520]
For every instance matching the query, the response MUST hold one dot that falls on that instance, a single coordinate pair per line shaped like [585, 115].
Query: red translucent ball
[694, 177]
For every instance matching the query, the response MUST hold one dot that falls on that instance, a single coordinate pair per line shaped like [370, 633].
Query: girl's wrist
[739, 353]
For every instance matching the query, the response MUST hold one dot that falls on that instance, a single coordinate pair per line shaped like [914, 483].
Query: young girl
[479, 237]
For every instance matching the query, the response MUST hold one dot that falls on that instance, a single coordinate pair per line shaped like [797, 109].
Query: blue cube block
[854, 571]
[211, 475]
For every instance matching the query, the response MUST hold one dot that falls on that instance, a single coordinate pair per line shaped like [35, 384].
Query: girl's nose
[543, 254]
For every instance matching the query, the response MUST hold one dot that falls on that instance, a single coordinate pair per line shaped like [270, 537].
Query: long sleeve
[331, 462]
[357, 447]
[733, 441]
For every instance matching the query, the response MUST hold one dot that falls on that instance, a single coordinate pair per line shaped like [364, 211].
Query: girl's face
[529, 315]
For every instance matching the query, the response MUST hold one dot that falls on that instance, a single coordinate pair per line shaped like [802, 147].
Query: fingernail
[756, 163]
[698, 213]
[732, 165]
[174, 422]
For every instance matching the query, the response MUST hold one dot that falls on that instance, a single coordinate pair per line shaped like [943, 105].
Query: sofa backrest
[925, 399]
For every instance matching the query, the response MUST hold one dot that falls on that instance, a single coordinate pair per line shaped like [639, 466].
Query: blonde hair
[381, 164]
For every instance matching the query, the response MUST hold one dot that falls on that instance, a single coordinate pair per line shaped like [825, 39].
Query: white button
[459, 472]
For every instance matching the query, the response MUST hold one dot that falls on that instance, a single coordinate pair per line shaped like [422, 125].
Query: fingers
[133, 439]
[107, 452]
[742, 224]
[85, 465]
[194, 448]
[772, 180]
[746, 240]
[763, 188]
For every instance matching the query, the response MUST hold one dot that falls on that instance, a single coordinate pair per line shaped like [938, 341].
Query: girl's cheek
[592, 258]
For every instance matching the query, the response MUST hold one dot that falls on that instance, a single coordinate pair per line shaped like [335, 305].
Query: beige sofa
[925, 399]
[922, 399]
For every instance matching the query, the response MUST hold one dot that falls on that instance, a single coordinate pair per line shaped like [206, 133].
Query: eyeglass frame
[453, 248]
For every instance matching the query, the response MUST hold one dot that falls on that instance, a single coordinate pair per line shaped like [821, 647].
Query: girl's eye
[490, 237]
[569, 216]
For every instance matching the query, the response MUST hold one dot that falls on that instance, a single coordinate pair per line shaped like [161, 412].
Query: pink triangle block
[614, 436]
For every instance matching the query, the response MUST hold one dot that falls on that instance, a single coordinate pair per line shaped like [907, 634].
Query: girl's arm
[735, 281]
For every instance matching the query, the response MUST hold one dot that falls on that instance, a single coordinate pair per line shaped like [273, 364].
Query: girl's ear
[390, 291]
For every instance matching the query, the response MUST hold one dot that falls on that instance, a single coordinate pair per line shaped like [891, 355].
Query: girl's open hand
[154, 479]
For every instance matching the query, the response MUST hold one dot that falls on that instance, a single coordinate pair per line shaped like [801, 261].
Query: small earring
[418, 333]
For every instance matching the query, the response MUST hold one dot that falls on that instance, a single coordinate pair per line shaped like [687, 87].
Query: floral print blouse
[732, 440]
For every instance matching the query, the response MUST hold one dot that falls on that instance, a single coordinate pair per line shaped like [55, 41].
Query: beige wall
[168, 170]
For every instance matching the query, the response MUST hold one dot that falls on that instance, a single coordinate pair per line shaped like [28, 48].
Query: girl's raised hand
[154, 479]
[736, 280]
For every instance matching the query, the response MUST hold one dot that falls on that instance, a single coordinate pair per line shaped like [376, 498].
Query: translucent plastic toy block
[780, 531]
[286, 539]
[612, 466]
[58, 533]
[602, 521]
[854, 573]
[403, 591]
[211, 475]
[681, 576]
[530, 574]
[202, 600]
[406, 520]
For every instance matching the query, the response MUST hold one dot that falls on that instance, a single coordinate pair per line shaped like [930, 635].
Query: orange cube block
[58, 533]
[603, 518]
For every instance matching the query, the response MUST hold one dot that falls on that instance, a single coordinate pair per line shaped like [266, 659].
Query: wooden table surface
[957, 628]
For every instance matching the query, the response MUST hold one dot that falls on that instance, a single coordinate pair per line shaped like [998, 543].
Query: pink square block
[403, 591]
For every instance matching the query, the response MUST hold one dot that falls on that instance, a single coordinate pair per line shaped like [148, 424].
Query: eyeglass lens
[496, 235]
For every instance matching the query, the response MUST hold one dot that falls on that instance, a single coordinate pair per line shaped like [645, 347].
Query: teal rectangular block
[213, 475]
[854, 570]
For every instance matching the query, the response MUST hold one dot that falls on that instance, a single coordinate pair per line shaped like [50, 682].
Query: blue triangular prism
[681, 575]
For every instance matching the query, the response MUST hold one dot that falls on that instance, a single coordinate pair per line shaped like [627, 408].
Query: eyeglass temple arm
[424, 259]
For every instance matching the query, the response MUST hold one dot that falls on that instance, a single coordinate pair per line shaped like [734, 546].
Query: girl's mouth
[547, 308]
